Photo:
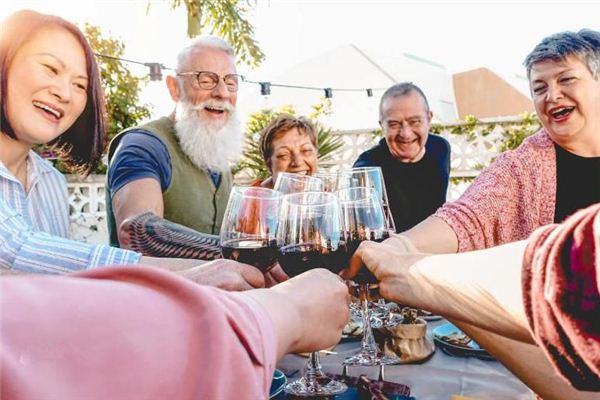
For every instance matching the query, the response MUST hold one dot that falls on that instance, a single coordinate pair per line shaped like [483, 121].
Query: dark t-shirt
[141, 154]
[415, 190]
[577, 182]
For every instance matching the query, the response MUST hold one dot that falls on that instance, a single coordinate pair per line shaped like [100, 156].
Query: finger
[278, 274]
[365, 253]
[253, 276]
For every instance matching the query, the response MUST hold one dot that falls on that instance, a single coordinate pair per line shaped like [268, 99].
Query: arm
[24, 250]
[459, 286]
[149, 234]
[433, 235]
[178, 339]
[528, 362]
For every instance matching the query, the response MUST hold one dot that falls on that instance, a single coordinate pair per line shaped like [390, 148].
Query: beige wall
[484, 94]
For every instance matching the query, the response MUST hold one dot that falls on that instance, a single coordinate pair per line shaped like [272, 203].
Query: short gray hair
[399, 90]
[202, 42]
[585, 45]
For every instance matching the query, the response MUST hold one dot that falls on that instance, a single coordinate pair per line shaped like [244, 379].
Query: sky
[461, 35]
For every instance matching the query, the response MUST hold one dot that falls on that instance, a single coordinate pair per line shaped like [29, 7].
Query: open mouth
[57, 114]
[214, 110]
[405, 142]
[561, 113]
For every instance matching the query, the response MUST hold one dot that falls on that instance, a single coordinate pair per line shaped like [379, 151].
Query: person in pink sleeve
[554, 173]
[535, 306]
[142, 333]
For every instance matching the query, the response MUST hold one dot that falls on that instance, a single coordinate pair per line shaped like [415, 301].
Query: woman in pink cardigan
[551, 175]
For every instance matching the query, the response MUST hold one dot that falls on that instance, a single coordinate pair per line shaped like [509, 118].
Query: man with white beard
[169, 179]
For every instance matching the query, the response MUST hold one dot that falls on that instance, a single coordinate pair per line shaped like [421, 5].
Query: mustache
[221, 105]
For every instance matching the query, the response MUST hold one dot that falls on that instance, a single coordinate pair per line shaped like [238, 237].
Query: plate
[277, 384]
[455, 342]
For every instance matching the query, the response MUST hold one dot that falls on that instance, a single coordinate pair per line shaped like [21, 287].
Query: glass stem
[368, 341]
[313, 369]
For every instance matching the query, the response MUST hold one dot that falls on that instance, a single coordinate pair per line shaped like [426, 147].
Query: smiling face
[567, 100]
[405, 121]
[294, 152]
[47, 86]
[215, 105]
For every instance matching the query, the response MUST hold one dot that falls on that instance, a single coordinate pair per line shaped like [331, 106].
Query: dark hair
[398, 90]
[80, 151]
[280, 125]
[585, 45]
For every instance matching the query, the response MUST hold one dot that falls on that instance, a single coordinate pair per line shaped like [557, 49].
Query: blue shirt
[34, 226]
[141, 154]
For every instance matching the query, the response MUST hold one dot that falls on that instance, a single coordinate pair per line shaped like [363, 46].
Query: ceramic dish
[455, 342]
[278, 383]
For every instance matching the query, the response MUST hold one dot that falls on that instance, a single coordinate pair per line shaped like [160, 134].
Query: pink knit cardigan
[510, 199]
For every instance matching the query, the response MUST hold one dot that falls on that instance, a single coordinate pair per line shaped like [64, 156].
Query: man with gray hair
[415, 164]
[169, 179]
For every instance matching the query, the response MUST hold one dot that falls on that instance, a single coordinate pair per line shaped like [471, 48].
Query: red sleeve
[561, 294]
[125, 333]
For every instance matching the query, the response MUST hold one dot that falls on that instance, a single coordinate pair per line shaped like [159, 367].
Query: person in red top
[544, 292]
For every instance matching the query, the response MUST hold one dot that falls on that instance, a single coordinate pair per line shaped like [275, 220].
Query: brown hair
[280, 125]
[80, 151]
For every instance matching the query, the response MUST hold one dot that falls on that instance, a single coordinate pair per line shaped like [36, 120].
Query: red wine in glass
[261, 254]
[298, 258]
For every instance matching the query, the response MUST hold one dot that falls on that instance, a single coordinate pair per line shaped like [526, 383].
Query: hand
[321, 302]
[390, 264]
[399, 242]
[226, 274]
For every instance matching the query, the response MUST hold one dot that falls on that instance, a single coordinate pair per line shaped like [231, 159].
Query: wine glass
[309, 236]
[363, 219]
[368, 177]
[249, 226]
[288, 182]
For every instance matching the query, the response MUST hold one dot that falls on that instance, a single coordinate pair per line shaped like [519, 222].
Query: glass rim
[287, 198]
[272, 194]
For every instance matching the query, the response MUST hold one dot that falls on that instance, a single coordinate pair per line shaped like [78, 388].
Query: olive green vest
[191, 198]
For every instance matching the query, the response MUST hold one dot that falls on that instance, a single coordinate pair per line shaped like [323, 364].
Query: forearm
[434, 236]
[482, 288]
[528, 363]
[170, 264]
[154, 236]
[283, 314]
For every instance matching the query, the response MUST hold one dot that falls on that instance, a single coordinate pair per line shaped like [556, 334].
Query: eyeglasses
[413, 123]
[209, 80]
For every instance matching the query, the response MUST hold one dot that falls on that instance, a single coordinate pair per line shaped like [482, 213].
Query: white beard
[209, 144]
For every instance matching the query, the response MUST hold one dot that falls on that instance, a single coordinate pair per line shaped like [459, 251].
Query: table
[440, 377]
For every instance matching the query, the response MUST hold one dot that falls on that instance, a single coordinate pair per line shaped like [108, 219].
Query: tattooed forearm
[154, 236]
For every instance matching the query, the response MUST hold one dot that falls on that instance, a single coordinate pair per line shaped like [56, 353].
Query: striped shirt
[34, 226]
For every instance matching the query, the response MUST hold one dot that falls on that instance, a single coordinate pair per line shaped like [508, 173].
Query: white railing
[470, 153]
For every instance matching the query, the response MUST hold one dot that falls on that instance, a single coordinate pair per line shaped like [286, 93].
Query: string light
[265, 87]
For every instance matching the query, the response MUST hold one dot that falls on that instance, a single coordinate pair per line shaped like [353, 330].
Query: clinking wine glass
[249, 226]
[288, 182]
[371, 177]
[368, 177]
[363, 219]
[309, 235]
